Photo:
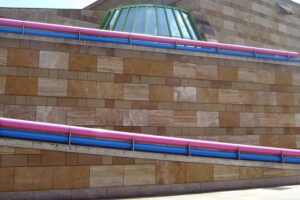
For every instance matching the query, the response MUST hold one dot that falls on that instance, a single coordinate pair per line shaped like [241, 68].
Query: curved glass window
[153, 20]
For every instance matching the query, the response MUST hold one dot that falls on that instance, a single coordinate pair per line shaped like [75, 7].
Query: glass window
[185, 16]
[112, 21]
[184, 31]
[140, 21]
[162, 22]
[151, 21]
[129, 20]
[173, 24]
[120, 20]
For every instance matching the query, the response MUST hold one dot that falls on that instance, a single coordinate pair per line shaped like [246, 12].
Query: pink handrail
[117, 135]
[151, 38]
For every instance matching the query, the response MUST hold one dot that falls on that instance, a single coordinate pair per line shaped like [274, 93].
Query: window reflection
[129, 20]
[151, 21]
[162, 22]
[140, 20]
[173, 25]
[185, 16]
[120, 20]
[184, 31]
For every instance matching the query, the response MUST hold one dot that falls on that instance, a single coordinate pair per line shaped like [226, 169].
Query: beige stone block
[251, 172]
[196, 172]
[296, 78]
[170, 172]
[27, 151]
[207, 72]
[33, 178]
[81, 116]
[267, 98]
[292, 172]
[147, 67]
[3, 56]
[224, 172]
[52, 87]
[185, 118]
[229, 119]
[286, 120]
[228, 74]
[20, 112]
[23, 57]
[7, 179]
[74, 177]
[17, 85]
[285, 99]
[247, 75]
[50, 114]
[160, 118]
[106, 160]
[108, 90]
[207, 119]
[136, 92]
[89, 159]
[139, 174]
[7, 150]
[185, 94]
[297, 99]
[109, 117]
[84, 89]
[207, 95]
[184, 70]
[272, 173]
[267, 77]
[13, 160]
[297, 120]
[82, 62]
[228, 96]
[110, 64]
[248, 97]
[2, 84]
[249, 119]
[106, 176]
[284, 78]
[135, 117]
[267, 120]
[54, 60]
[34, 160]
[161, 93]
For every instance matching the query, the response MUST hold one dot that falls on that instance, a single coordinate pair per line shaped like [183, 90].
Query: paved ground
[272, 193]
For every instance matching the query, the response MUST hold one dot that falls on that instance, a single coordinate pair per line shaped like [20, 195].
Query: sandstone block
[50, 114]
[20, 112]
[108, 90]
[110, 64]
[267, 120]
[272, 173]
[148, 67]
[21, 85]
[296, 78]
[248, 97]
[170, 172]
[2, 84]
[13, 160]
[185, 118]
[185, 94]
[184, 70]
[106, 176]
[122, 160]
[207, 119]
[34, 160]
[53, 158]
[228, 96]
[267, 77]
[3, 56]
[109, 117]
[160, 118]
[286, 120]
[229, 119]
[136, 92]
[251, 172]
[249, 119]
[139, 174]
[82, 62]
[135, 117]
[267, 98]
[224, 172]
[88, 159]
[207, 72]
[33, 178]
[297, 120]
[199, 172]
[74, 177]
[285, 99]
[297, 99]
[54, 60]
[207, 95]
[81, 116]
[160, 93]
[27, 151]
[247, 75]
[52, 87]
[7, 150]
[284, 78]
[23, 57]
[228, 74]
[7, 179]
[83, 89]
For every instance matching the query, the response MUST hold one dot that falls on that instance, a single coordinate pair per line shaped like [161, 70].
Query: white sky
[72, 4]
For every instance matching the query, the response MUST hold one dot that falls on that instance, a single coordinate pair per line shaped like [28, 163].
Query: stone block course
[108, 90]
[170, 172]
[139, 174]
[82, 89]
[53, 60]
[185, 118]
[110, 117]
[228, 74]
[196, 173]
[184, 70]
[110, 64]
[23, 57]
[73, 177]
[185, 94]
[82, 62]
[136, 92]
[52, 87]
[81, 116]
[17, 85]
[106, 176]
[160, 93]
[53, 158]
[207, 95]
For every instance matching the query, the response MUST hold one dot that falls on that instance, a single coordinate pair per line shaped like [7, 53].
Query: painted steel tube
[256, 157]
[105, 33]
[116, 135]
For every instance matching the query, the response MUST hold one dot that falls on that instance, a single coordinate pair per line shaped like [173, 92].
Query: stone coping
[149, 190]
[136, 154]
[142, 48]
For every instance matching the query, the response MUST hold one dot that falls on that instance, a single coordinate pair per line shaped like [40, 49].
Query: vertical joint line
[255, 55]
[78, 34]
[23, 28]
[189, 149]
[176, 44]
[130, 40]
[238, 152]
[218, 50]
[132, 144]
[281, 157]
[70, 135]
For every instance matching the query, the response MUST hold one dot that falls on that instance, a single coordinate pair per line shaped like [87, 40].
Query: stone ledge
[150, 190]
[136, 154]
[141, 48]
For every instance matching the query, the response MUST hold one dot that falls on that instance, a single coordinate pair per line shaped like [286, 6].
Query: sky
[71, 4]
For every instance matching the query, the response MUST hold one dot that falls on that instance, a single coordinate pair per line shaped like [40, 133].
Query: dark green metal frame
[109, 15]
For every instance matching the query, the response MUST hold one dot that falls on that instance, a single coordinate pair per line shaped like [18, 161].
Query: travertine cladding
[154, 93]
[33, 170]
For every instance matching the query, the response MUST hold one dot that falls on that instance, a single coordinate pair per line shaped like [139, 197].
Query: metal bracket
[281, 157]
[238, 152]
[218, 50]
[130, 40]
[23, 28]
[289, 58]
[132, 144]
[176, 44]
[78, 34]
[189, 149]
[70, 135]
[255, 55]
